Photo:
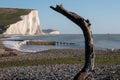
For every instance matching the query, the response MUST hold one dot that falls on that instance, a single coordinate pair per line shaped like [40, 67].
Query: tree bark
[85, 25]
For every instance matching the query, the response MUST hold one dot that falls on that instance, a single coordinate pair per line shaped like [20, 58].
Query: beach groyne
[54, 43]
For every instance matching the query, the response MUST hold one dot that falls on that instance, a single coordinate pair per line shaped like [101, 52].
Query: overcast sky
[104, 15]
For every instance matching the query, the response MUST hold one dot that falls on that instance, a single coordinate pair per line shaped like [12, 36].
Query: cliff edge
[19, 21]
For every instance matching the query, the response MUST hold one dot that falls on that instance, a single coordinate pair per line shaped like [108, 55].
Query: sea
[101, 42]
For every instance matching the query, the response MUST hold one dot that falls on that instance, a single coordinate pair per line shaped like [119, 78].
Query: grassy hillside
[11, 15]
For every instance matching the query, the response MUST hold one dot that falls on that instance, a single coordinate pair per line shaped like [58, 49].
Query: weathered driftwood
[89, 53]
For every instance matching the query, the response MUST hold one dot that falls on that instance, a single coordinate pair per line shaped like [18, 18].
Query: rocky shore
[56, 71]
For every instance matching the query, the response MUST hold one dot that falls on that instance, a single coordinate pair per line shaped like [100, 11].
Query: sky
[104, 15]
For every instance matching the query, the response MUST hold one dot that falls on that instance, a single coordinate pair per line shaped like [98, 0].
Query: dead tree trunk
[89, 53]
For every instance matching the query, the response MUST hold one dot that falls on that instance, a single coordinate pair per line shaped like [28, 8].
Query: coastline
[60, 71]
[32, 43]
[4, 51]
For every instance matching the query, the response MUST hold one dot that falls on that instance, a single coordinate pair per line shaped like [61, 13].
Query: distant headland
[50, 31]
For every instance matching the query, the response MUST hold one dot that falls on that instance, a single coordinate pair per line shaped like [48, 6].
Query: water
[101, 41]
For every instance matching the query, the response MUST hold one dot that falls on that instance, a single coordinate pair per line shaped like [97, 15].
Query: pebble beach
[58, 72]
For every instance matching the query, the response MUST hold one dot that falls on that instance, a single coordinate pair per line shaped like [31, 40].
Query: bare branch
[85, 25]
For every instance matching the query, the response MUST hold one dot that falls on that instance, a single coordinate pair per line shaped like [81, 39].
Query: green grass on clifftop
[11, 15]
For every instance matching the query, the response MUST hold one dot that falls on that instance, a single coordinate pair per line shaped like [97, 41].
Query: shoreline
[56, 71]
[19, 42]
[6, 52]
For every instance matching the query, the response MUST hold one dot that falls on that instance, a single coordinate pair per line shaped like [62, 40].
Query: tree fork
[85, 25]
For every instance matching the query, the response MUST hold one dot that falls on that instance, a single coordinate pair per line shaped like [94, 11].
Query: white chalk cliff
[54, 32]
[28, 25]
[50, 31]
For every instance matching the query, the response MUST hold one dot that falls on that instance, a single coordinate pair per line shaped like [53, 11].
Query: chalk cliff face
[55, 32]
[28, 25]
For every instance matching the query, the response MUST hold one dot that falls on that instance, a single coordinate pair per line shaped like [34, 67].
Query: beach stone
[58, 72]
[1, 76]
